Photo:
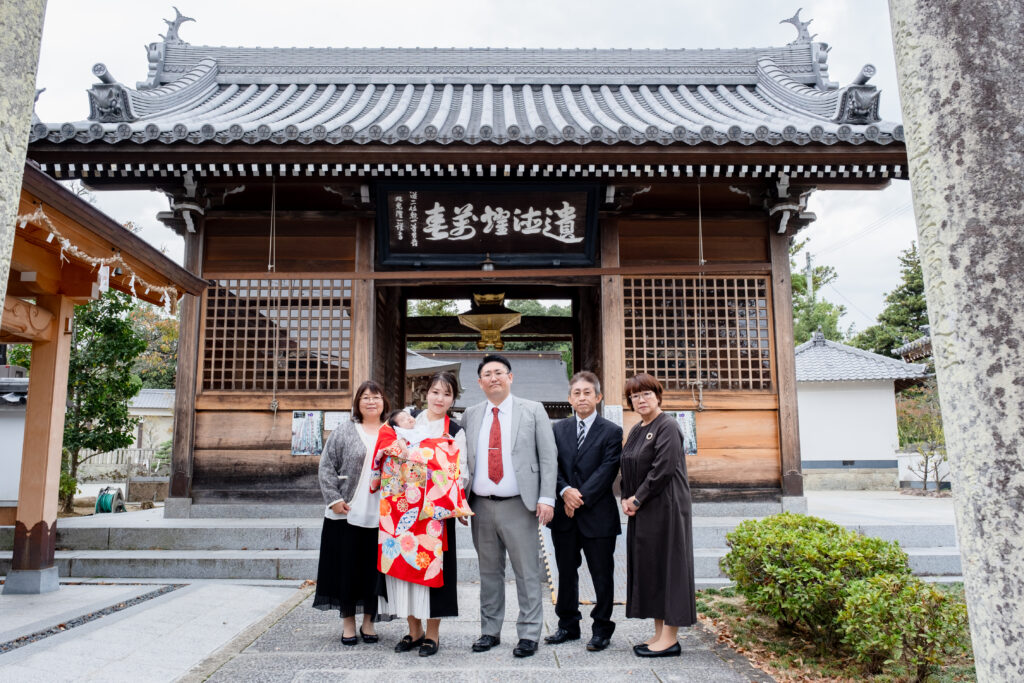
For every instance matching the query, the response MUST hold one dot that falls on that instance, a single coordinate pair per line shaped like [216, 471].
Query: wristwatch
[635, 504]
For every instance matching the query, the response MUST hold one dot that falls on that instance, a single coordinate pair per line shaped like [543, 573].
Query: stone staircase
[145, 545]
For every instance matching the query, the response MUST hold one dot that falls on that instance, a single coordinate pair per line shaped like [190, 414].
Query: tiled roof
[821, 360]
[153, 398]
[201, 94]
[537, 375]
[919, 348]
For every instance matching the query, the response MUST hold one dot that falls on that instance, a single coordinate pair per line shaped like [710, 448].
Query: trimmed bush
[795, 568]
[889, 618]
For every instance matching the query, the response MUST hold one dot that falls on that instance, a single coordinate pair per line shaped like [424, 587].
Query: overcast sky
[860, 233]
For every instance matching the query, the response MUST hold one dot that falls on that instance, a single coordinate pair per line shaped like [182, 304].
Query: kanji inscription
[430, 225]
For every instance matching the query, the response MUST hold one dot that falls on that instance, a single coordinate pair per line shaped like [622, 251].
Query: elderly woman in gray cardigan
[347, 577]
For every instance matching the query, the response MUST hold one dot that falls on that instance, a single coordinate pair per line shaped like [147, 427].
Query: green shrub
[795, 568]
[888, 618]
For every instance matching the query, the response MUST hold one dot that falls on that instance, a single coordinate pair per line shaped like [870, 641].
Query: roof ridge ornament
[173, 25]
[155, 52]
[803, 35]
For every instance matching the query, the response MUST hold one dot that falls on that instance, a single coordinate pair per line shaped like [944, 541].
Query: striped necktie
[583, 433]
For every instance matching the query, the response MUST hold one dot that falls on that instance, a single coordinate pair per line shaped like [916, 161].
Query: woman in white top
[347, 577]
[415, 601]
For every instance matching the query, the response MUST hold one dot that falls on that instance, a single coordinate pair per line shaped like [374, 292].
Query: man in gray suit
[513, 464]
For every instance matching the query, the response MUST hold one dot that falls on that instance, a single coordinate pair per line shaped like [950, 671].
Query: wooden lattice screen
[303, 325]
[715, 330]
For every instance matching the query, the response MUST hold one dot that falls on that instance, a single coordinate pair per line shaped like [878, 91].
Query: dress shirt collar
[588, 422]
[503, 407]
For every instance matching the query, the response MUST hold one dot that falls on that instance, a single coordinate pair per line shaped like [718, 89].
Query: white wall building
[847, 405]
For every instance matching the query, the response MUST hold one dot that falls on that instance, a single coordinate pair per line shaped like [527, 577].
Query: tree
[432, 307]
[919, 424]
[533, 307]
[100, 380]
[810, 310]
[158, 364]
[905, 312]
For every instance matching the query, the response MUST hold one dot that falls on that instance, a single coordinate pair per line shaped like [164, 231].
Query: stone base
[31, 581]
[178, 508]
[859, 479]
[794, 504]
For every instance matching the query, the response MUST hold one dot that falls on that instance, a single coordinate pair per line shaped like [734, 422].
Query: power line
[872, 227]
[847, 300]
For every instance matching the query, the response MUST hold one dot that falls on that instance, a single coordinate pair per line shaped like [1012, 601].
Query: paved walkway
[239, 630]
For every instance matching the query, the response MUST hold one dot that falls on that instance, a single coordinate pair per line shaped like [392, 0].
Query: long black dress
[659, 537]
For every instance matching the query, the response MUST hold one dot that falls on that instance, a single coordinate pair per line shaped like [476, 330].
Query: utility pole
[809, 274]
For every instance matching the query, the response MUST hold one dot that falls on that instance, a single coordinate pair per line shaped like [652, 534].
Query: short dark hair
[585, 376]
[392, 415]
[642, 382]
[373, 388]
[493, 358]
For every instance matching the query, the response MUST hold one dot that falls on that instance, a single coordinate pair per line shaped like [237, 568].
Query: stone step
[294, 534]
[302, 564]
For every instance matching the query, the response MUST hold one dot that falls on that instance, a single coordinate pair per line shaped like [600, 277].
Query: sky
[861, 234]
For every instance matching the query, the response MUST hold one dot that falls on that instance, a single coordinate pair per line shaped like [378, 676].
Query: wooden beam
[626, 155]
[26, 322]
[42, 272]
[612, 318]
[426, 326]
[785, 367]
[35, 531]
[98, 234]
[563, 276]
[363, 308]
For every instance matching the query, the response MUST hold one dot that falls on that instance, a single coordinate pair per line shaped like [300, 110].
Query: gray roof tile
[201, 94]
[821, 360]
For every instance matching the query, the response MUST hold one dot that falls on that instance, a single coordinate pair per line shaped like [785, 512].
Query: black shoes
[561, 636]
[485, 643]
[644, 651]
[429, 647]
[525, 648]
[597, 643]
[407, 643]
[349, 640]
[368, 637]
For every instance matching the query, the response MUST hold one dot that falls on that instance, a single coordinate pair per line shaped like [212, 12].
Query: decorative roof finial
[803, 35]
[173, 26]
[818, 337]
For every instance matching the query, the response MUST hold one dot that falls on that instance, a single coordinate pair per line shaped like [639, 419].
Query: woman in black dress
[659, 534]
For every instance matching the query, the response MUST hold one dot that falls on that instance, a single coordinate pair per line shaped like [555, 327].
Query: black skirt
[347, 578]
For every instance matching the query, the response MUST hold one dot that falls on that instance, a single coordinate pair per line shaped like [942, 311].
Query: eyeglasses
[645, 395]
[494, 374]
[371, 398]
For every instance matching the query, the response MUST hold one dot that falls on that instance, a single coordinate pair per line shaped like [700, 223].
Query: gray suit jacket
[534, 454]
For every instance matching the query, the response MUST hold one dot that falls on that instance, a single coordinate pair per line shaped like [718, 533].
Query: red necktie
[494, 468]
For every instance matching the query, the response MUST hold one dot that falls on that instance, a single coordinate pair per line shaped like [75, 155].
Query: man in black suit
[589, 448]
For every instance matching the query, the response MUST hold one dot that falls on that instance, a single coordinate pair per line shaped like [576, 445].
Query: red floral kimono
[418, 491]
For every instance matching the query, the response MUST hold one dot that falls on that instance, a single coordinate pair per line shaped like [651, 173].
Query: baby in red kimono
[418, 478]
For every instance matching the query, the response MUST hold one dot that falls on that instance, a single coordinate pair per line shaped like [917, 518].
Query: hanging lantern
[490, 318]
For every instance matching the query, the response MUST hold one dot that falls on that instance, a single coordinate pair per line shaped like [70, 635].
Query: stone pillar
[959, 68]
[21, 30]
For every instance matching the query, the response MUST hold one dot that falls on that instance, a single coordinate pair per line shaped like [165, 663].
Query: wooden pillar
[612, 316]
[785, 367]
[35, 529]
[185, 384]
[363, 308]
